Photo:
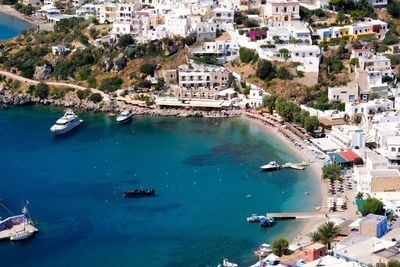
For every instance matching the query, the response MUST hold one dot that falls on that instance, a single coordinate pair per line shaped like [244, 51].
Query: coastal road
[58, 84]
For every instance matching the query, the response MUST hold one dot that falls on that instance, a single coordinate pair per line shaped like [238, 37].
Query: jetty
[294, 166]
[301, 215]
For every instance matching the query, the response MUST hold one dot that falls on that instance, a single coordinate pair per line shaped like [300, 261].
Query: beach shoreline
[315, 169]
[9, 10]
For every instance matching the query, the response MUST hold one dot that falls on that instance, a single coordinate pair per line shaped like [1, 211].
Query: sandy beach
[301, 235]
[9, 10]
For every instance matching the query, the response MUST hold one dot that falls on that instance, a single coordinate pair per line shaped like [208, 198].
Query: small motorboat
[271, 166]
[263, 250]
[255, 218]
[226, 263]
[140, 193]
[124, 117]
[267, 222]
[22, 235]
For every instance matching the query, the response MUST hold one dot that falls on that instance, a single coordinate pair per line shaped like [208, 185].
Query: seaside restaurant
[345, 159]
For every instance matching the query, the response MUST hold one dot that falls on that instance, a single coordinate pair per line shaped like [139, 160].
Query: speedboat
[66, 123]
[22, 235]
[272, 166]
[226, 263]
[140, 193]
[267, 222]
[254, 218]
[124, 117]
[263, 250]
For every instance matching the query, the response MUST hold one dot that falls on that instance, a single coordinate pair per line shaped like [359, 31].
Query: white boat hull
[22, 236]
[59, 131]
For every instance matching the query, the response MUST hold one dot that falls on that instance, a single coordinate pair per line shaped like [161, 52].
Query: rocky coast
[111, 106]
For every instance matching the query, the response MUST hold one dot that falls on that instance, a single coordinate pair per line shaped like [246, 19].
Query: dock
[295, 166]
[300, 215]
[6, 234]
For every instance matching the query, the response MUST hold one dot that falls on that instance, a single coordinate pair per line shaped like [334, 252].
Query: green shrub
[82, 94]
[41, 90]
[246, 55]
[95, 98]
[111, 84]
[283, 74]
[147, 69]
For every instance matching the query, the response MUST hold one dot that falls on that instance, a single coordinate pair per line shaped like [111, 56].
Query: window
[276, 9]
[398, 149]
[393, 149]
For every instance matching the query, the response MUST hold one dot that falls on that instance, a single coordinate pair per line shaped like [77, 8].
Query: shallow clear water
[202, 170]
[11, 26]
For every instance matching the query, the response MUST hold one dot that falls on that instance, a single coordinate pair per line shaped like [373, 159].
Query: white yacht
[124, 117]
[66, 123]
[272, 166]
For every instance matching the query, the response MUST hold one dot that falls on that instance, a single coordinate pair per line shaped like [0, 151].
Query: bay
[202, 171]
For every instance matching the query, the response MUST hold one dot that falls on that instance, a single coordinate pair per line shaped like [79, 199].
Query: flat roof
[325, 144]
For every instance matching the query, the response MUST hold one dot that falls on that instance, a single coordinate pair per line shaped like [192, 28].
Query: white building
[368, 109]
[343, 94]
[206, 30]
[223, 51]
[224, 18]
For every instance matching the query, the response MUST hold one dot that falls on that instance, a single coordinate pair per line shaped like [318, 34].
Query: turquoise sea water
[202, 170]
[11, 26]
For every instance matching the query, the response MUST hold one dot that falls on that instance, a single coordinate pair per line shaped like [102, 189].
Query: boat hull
[66, 129]
[23, 236]
[125, 120]
[133, 194]
[270, 169]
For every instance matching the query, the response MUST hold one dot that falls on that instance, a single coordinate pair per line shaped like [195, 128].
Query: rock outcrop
[106, 64]
[43, 72]
[120, 62]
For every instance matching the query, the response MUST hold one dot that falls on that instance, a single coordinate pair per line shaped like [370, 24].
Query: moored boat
[271, 166]
[124, 117]
[66, 123]
[267, 222]
[254, 218]
[24, 234]
[263, 250]
[140, 193]
[226, 263]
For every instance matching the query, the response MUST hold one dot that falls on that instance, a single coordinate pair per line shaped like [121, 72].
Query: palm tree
[327, 232]
[314, 236]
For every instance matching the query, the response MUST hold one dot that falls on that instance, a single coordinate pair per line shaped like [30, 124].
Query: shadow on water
[228, 152]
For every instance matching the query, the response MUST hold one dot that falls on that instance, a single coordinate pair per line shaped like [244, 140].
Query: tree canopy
[280, 247]
[373, 206]
[332, 172]
[325, 233]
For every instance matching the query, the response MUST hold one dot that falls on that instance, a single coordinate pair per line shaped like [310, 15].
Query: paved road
[30, 81]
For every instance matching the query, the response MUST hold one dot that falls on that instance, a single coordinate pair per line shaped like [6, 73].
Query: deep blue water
[202, 170]
[11, 26]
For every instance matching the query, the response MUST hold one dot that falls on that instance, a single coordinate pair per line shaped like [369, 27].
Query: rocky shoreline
[113, 107]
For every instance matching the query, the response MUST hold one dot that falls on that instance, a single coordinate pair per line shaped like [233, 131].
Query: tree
[265, 70]
[354, 61]
[125, 40]
[245, 54]
[314, 236]
[393, 8]
[327, 232]
[341, 17]
[280, 247]
[111, 84]
[82, 94]
[95, 98]
[41, 90]
[283, 74]
[372, 205]
[269, 102]
[147, 69]
[311, 123]
[331, 172]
